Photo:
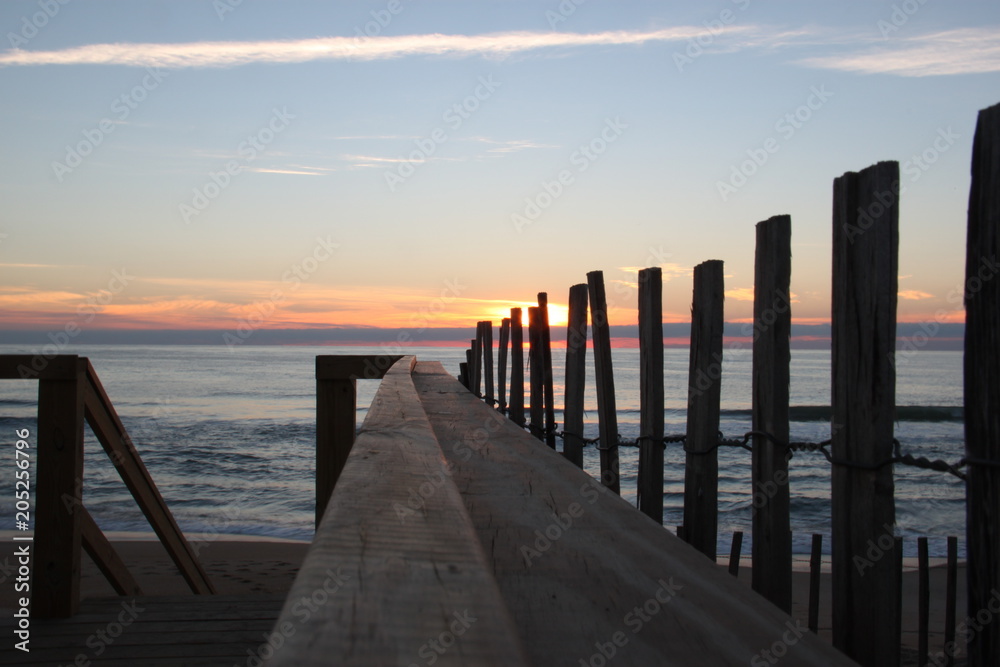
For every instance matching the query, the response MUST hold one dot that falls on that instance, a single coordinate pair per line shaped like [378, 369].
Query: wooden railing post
[701, 470]
[516, 367]
[536, 375]
[772, 535]
[576, 374]
[336, 414]
[650, 483]
[549, 392]
[606, 405]
[982, 385]
[55, 586]
[863, 343]
[487, 337]
[502, 364]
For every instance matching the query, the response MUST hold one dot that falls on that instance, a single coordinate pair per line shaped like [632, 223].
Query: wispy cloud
[959, 51]
[914, 295]
[230, 54]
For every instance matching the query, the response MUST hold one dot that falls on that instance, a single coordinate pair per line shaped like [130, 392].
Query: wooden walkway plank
[395, 574]
[583, 572]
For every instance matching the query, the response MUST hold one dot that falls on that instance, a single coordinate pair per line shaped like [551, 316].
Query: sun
[558, 314]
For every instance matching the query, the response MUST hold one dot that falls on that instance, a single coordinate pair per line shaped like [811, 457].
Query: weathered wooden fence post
[516, 367]
[865, 274]
[650, 482]
[535, 373]
[606, 406]
[55, 584]
[772, 535]
[576, 374]
[549, 392]
[487, 338]
[982, 385]
[502, 364]
[477, 362]
[701, 470]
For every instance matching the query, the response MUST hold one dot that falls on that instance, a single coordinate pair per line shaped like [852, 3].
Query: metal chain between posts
[744, 442]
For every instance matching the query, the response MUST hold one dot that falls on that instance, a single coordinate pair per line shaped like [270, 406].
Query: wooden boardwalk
[454, 537]
[156, 631]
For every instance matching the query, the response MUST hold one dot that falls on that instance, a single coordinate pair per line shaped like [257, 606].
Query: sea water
[228, 435]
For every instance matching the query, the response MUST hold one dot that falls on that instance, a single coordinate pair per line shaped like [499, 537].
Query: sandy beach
[241, 565]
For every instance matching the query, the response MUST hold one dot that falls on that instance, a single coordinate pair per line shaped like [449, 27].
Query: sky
[241, 166]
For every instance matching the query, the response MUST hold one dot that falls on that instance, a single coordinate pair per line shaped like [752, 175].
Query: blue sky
[304, 164]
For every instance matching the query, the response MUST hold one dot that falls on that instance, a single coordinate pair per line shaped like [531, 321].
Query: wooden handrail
[69, 395]
[386, 577]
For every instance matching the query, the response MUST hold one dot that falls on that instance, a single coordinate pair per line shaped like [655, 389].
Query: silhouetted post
[477, 362]
[701, 471]
[734, 553]
[815, 571]
[771, 575]
[55, 583]
[502, 364]
[865, 273]
[607, 414]
[576, 374]
[516, 367]
[549, 391]
[982, 385]
[650, 482]
[535, 373]
[923, 600]
[951, 593]
[488, 361]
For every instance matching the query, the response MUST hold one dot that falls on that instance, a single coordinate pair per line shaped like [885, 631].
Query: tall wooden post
[502, 364]
[772, 314]
[865, 274]
[982, 386]
[477, 362]
[650, 483]
[516, 367]
[549, 392]
[487, 337]
[607, 414]
[576, 374]
[55, 584]
[535, 373]
[701, 471]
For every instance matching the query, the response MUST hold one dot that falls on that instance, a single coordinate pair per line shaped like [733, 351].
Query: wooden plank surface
[37, 367]
[395, 572]
[581, 569]
[177, 630]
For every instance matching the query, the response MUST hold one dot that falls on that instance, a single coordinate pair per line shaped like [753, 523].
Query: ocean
[228, 436]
